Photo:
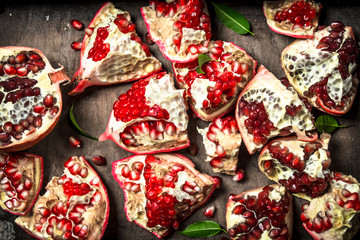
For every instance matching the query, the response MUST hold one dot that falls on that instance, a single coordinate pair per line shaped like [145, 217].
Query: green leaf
[76, 126]
[232, 19]
[327, 123]
[203, 58]
[202, 229]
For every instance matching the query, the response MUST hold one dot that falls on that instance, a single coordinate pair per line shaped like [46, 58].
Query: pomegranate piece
[267, 108]
[30, 97]
[181, 29]
[324, 69]
[262, 213]
[150, 117]
[334, 215]
[112, 52]
[21, 176]
[222, 141]
[161, 190]
[213, 93]
[302, 167]
[75, 206]
[294, 18]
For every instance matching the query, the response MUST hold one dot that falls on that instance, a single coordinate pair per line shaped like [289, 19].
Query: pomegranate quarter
[262, 213]
[21, 176]
[302, 167]
[213, 93]
[150, 117]
[180, 28]
[161, 190]
[30, 97]
[324, 69]
[335, 215]
[294, 18]
[268, 107]
[75, 205]
[112, 52]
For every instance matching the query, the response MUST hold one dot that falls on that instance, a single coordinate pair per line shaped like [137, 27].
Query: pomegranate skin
[57, 76]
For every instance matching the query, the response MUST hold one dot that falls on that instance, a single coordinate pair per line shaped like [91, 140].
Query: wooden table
[45, 26]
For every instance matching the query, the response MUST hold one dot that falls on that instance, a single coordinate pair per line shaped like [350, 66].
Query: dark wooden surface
[45, 25]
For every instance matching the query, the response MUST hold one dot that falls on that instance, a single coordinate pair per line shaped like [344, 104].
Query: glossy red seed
[75, 142]
[76, 24]
[98, 160]
[76, 45]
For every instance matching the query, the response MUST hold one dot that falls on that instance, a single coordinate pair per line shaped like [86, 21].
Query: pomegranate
[161, 190]
[150, 117]
[21, 176]
[181, 28]
[262, 213]
[75, 206]
[302, 167]
[222, 141]
[323, 69]
[30, 97]
[112, 52]
[335, 215]
[213, 93]
[267, 108]
[294, 18]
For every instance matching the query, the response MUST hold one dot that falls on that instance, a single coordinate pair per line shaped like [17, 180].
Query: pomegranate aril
[98, 160]
[209, 212]
[239, 175]
[76, 45]
[76, 24]
[75, 142]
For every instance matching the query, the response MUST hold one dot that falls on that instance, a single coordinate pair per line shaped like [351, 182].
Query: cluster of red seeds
[257, 122]
[71, 188]
[301, 13]
[253, 209]
[319, 224]
[100, 49]
[25, 86]
[191, 16]
[285, 157]
[132, 105]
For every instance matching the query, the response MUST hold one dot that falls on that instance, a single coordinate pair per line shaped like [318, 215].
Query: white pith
[94, 217]
[277, 193]
[326, 65]
[18, 110]
[199, 91]
[126, 59]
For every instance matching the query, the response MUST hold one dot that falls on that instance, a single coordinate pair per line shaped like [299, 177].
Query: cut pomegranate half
[30, 97]
[112, 52]
[222, 141]
[324, 69]
[150, 117]
[75, 206]
[267, 108]
[262, 213]
[21, 176]
[294, 18]
[335, 215]
[302, 167]
[213, 93]
[161, 190]
[181, 28]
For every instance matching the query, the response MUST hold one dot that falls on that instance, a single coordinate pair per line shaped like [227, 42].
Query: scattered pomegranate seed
[89, 31]
[209, 212]
[76, 45]
[74, 142]
[218, 181]
[98, 160]
[76, 24]
[148, 38]
[239, 175]
[193, 149]
[231, 196]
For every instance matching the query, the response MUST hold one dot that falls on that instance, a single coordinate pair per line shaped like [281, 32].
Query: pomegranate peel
[335, 215]
[31, 93]
[289, 17]
[302, 167]
[222, 141]
[262, 213]
[180, 28]
[150, 117]
[112, 53]
[267, 108]
[161, 190]
[21, 176]
[323, 69]
[213, 94]
[75, 205]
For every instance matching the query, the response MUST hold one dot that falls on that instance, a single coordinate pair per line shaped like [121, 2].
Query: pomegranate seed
[98, 160]
[239, 175]
[148, 38]
[76, 45]
[217, 181]
[231, 196]
[209, 212]
[217, 163]
[75, 142]
[89, 31]
[76, 24]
